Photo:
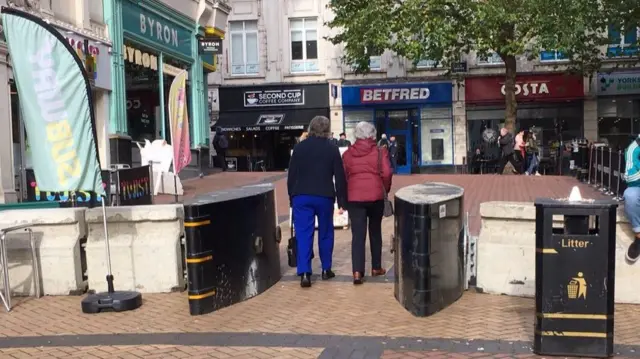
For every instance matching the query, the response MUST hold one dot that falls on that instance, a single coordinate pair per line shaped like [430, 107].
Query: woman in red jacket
[368, 172]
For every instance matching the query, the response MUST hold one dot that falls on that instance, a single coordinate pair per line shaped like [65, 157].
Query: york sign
[381, 95]
[529, 88]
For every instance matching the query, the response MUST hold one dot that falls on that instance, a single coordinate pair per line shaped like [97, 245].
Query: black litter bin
[575, 277]
[232, 246]
[428, 247]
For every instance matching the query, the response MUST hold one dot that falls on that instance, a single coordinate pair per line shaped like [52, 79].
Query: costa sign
[382, 95]
[528, 88]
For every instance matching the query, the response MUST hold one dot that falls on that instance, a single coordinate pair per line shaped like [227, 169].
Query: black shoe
[633, 253]
[357, 278]
[327, 274]
[305, 280]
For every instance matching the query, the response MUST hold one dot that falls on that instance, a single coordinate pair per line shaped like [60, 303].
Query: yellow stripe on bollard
[199, 260]
[202, 296]
[550, 333]
[197, 224]
[574, 316]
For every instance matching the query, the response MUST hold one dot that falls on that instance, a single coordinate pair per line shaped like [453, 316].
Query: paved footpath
[333, 319]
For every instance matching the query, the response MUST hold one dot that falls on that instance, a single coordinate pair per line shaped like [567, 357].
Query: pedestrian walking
[315, 163]
[507, 144]
[368, 172]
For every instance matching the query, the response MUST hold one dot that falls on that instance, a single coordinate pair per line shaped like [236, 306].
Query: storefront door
[398, 124]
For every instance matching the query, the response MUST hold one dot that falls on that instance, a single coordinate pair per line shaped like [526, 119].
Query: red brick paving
[478, 188]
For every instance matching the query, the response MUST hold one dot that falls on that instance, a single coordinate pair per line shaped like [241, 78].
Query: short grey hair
[365, 130]
[320, 126]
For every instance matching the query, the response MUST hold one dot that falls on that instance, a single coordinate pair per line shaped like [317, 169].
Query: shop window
[552, 55]
[304, 45]
[618, 120]
[436, 136]
[622, 42]
[351, 119]
[491, 59]
[244, 47]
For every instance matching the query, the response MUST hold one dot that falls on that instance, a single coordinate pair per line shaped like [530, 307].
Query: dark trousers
[305, 210]
[394, 163]
[359, 214]
[508, 158]
[222, 159]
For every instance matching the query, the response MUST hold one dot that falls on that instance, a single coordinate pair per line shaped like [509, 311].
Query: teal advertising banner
[144, 25]
[56, 103]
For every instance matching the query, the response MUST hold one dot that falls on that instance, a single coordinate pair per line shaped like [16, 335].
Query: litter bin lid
[586, 203]
[429, 193]
[230, 194]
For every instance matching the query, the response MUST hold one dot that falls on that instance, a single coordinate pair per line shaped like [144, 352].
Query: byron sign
[427, 93]
[262, 98]
[528, 88]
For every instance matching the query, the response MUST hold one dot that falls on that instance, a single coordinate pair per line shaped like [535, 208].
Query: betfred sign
[423, 93]
[551, 87]
[386, 95]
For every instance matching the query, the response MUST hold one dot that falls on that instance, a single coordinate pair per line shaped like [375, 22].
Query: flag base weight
[111, 300]
[120, 301]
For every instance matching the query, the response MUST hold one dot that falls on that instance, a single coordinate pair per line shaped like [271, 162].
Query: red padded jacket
[364, 180]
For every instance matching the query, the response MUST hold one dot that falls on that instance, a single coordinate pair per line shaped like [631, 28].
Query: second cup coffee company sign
[263, 98]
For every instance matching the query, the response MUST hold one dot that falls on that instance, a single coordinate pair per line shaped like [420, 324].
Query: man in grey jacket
[506, 142]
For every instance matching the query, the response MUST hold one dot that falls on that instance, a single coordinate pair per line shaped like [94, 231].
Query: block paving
[333, 319]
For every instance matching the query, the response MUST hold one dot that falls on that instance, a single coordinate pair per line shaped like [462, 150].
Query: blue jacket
[632, 161]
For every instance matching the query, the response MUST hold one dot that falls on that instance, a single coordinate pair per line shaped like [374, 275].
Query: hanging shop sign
[140, 58]
[263, 98]
[528, 87]
[397, 94]
[142, 24]
[619, 83]
[95, 56]
[210, 45]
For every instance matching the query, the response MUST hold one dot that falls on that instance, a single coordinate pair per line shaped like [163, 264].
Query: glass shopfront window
[142, 83]
[437, 136]
[618, 120]
[351, 119]
[556, 122]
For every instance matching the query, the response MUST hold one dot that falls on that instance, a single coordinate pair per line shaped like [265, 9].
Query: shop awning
[253, 121]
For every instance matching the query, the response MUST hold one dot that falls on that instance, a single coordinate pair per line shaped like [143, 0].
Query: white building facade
[275, 59]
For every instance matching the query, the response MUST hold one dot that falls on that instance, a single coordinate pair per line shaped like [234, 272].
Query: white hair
[365, 130]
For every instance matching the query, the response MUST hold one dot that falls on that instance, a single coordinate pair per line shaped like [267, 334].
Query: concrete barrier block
[506, 251]
[58, 233]
[145, 248]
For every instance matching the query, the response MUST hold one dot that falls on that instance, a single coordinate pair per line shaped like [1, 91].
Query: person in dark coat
[221, 144]
[393, 153]
[343, 142]
[315, 163]
[507, 143]
[368, 172]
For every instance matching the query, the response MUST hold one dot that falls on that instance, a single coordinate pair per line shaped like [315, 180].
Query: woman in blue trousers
[315, 163]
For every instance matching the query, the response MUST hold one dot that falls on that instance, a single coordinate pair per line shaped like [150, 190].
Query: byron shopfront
[550, 104]
[618, 107]
[418, 115]
[152, 44]
[263, 123]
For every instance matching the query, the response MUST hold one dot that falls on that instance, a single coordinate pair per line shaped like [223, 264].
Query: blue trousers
[305, 210]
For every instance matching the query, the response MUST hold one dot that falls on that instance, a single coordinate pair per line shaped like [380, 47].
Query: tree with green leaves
[444, 30]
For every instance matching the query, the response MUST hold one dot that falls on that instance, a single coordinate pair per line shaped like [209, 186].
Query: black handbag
[388, 206]
[292, 248]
